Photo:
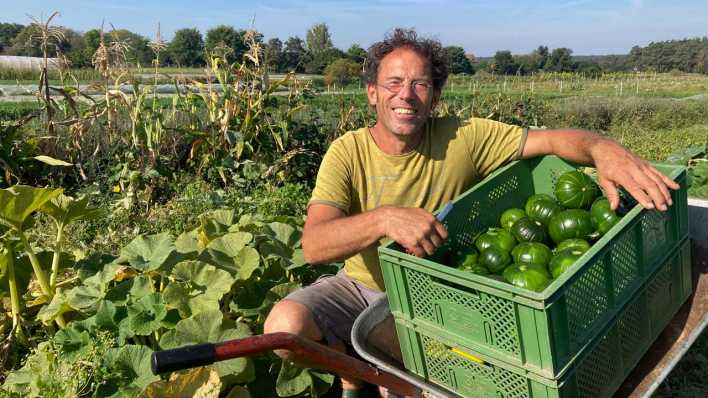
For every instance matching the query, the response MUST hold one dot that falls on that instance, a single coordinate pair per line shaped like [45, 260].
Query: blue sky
[480, 26]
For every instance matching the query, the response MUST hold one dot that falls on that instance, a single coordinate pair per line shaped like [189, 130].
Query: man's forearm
[341, 238]
[570, 144]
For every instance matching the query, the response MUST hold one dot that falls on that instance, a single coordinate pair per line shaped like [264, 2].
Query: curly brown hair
[430, 49]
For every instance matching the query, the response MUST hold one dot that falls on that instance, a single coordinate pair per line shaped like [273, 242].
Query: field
[187, 210]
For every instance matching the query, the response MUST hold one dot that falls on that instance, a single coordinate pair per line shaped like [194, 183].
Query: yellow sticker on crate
[467, 355]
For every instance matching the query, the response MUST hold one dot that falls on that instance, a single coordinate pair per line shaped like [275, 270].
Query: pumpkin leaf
[65, 209]
[284, 233]
[210, 327]
[295, 380]
[145, 315]
[197, 287]
[73, 343]
[19, 201]
[203, 382]
[241, 263]
[132, 363]
[188, 242]
[231, 243]
[57, 307]
[149, 253]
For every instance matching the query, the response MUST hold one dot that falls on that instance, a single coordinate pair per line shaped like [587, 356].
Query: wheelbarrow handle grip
[183, 358]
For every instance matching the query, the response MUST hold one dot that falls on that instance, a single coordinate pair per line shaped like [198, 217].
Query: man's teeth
[404, 111]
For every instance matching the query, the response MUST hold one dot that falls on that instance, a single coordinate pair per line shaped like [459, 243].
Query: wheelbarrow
[379, 369]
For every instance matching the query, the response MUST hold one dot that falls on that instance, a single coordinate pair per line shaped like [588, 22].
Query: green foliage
[8, 31]
[342, 72]
[164, 293]
[457, 61]
[696, 158]
[356, 53]
[274, 56]
[560, 60]
[226, 37]
[687, 55]
[187, 47]
[318, 39]
[295, 54]
[504, 63]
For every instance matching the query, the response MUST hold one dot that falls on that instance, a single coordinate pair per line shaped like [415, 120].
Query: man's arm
[616, 165]
[330, 235]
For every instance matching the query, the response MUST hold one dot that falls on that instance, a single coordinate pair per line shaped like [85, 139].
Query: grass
[16, 110]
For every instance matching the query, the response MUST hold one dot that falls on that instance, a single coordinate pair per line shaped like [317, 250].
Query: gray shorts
[335, 301]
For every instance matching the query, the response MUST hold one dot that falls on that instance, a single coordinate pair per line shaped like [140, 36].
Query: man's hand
[618, 166]
[417, 230]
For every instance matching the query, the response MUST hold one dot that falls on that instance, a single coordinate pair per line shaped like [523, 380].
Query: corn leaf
[51, 161]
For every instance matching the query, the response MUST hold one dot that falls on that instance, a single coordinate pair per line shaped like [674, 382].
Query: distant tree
[187, 47]
[92, 38]
[228, 37]
[560, 60]
[316, 63]
[685, 55]
[342, 71]
[295, 55]
[74, 48]
[504, 64]
[456, 60]
[541, 55]
[23, 44]
[588, 68]
[8, 31]
[356, 53]
[527, 63]
[318, 39]
[27, 42]
[138, 51]
[274, 54]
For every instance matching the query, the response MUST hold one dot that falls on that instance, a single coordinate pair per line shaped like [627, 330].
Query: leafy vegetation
[178, 218]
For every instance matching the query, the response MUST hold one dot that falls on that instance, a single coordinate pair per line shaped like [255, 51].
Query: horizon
[474, 26]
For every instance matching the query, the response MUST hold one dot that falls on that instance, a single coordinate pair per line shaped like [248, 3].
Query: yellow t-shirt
[356, 175]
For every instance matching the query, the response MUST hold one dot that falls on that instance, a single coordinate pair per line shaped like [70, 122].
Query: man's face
[404, 112]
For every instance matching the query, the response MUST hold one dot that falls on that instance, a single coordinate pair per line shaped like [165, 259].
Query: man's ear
[371, 94]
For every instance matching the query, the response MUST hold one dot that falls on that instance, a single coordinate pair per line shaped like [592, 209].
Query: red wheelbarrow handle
[318, 354]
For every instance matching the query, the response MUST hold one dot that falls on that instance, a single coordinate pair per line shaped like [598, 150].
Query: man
[384, 181]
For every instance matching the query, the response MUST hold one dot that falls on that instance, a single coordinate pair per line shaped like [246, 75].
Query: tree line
[316, 53]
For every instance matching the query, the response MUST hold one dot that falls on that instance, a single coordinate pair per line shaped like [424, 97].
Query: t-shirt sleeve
[333, 184]
[492, 144]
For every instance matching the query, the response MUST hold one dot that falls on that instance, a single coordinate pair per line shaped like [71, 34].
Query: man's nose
[407, 92]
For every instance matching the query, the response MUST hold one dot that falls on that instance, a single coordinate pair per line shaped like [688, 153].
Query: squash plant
[696, 159]
[16, 207]
[213, 283]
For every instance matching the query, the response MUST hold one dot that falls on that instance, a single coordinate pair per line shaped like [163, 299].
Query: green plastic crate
[540, 332]
[598, 371]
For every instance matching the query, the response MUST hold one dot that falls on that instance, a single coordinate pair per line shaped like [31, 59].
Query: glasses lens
[394, 87]
[421, 87]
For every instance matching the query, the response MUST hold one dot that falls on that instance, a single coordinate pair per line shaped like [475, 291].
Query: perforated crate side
[598, 372]
[544, 335]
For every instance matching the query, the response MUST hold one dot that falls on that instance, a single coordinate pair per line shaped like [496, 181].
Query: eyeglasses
[419, 86]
